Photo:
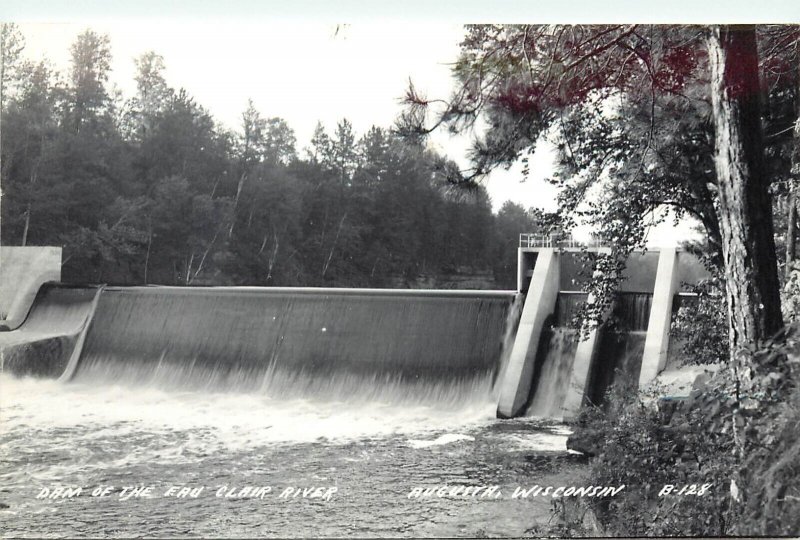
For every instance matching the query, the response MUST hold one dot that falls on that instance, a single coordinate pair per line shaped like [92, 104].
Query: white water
[554, 376]
[138, 419]
[87, 433]
[230, 420]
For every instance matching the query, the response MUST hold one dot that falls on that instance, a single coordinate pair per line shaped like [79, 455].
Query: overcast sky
[304, 67]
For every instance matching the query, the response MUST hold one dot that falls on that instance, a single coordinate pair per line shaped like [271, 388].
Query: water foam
[201, 422]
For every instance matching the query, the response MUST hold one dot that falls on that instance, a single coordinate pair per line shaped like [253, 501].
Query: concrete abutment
[543, 274]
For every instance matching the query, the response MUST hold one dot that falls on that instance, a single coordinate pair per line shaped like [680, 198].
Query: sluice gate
[552, 372]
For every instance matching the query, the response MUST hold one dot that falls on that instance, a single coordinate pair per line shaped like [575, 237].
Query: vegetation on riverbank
[730, 451]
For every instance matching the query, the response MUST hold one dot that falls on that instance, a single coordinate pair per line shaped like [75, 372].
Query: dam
[369, 394]
[288, 342]
[440, 347]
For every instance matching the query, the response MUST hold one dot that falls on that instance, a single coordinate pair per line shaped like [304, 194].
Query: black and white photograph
[373, 270]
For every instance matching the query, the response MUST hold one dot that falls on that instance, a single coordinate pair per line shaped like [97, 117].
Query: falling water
[568, 307]
[554, 358]
[332, 345]
[621, 347]
[509, 334]
[618, 358]
[554, 373]
[632, 311]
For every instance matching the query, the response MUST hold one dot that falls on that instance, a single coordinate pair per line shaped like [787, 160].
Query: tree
[511, 221]
[11, 45]
[279, 142]
[152, 94]
[320, 144]
[91, 64]
[252, 148]
[88, 142]
[33, 122]
[628, 107]
[748, 247]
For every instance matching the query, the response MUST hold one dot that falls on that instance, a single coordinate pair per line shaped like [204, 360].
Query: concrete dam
[440, 348]
[340, 344]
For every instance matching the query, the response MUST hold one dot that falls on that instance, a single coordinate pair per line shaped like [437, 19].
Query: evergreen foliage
[151, 189]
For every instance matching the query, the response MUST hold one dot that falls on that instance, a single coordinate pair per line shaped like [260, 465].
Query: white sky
[304, 71]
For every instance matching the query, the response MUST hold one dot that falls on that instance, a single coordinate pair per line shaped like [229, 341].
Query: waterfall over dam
[617, 359]
[337, 344]
[553, 370]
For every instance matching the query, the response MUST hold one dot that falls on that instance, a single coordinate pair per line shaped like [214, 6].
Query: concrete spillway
[48, 336]
[342, 343]
[22, 271]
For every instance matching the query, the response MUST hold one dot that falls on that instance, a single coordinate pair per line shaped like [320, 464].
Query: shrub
[701, 324]
[790, 294]
[739, 435]
[645, 454]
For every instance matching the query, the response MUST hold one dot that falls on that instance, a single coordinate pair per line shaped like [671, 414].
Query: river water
[101, 434]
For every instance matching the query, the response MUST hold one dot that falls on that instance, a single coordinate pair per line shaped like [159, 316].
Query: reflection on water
[374, 451]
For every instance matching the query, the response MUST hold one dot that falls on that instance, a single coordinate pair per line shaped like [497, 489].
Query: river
[101, 434]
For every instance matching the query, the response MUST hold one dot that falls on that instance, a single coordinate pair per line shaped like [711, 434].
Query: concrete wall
[639, 274]
[22, 272]
[539, 304]
[690, 269]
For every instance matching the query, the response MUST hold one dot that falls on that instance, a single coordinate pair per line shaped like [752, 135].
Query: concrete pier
[539, 305]
[657, 341]
[553, 267]
[581, 367]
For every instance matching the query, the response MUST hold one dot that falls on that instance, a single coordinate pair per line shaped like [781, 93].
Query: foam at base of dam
[342, 344]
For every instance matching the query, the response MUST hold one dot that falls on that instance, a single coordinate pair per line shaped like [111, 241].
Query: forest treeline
[150, 188]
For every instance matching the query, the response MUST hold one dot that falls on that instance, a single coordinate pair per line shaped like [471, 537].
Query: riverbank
[725, 461]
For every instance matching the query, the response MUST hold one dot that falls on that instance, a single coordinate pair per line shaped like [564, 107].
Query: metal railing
[534, 240]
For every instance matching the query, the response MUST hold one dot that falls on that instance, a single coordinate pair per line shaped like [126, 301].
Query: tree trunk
[333, 245]
[236, 202]
[745, 209]
[791, 211]
[273, 258]
[27, 226]
[29, 208]
[147, 256]
[791, 217]
[794, 172]
[2, 84]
